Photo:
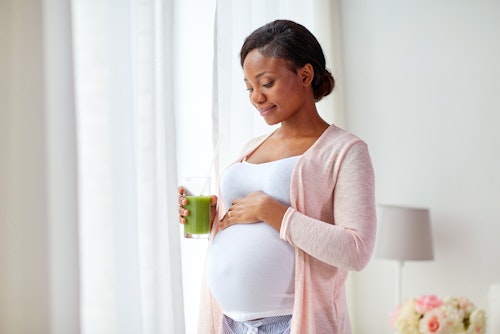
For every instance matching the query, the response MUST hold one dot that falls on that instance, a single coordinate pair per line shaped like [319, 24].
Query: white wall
[422, 88]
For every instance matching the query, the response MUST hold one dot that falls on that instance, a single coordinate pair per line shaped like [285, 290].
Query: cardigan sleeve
[348, 242]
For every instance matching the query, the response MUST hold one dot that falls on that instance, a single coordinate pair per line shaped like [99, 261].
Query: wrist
[273, 212]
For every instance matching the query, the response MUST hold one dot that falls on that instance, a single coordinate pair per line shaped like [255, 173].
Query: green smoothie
[198, 220]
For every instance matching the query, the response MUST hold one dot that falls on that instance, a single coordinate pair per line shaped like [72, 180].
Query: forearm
[347, 247]
[272, 212]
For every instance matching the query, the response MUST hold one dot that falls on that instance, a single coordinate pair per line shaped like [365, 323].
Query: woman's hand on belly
[253, 208]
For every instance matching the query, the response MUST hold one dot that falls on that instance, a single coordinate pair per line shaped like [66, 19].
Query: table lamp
[404, 235]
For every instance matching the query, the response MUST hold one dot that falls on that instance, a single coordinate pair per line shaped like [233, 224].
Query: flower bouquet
[430, 314]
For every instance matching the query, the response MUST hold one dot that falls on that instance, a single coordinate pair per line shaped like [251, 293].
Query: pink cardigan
[331, 223]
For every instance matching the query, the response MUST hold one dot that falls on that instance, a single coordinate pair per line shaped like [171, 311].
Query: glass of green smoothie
[197, 193]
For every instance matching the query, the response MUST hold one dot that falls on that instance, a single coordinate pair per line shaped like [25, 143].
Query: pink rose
[426, 303]
[433, 322]
[432, 325]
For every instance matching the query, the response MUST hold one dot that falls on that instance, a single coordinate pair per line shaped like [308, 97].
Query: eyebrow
[258, 75]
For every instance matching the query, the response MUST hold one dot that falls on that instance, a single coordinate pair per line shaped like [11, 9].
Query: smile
[263, 111]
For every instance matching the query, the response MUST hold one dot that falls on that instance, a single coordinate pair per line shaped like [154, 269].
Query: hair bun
[325, 85]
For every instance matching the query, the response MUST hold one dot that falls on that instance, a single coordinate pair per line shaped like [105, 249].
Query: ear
[307, 74]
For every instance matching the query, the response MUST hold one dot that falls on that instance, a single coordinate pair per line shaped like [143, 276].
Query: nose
[258, 97]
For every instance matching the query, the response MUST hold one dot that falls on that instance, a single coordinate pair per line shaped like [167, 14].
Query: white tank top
[250, 269]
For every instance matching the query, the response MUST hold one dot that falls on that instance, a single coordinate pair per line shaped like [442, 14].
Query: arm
[348, 243]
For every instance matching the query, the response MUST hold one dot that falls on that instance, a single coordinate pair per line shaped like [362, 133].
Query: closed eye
[269, 84]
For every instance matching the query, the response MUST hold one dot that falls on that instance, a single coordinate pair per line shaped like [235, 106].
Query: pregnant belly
[251, 271]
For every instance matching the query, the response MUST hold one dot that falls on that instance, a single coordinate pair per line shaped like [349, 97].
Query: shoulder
[336, 139]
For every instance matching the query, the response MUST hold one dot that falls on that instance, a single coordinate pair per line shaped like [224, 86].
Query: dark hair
[293, 42]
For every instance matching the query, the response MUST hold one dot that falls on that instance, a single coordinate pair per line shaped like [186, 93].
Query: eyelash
[267, 85]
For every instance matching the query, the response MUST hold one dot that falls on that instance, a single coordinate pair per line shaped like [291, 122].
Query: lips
[265, 110]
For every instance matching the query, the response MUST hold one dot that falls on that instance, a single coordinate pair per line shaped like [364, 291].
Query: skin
[281, 97]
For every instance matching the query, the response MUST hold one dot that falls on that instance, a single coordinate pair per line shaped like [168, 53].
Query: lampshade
[404, 234]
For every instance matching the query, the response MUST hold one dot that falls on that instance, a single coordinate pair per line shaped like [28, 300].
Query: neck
[311, 126]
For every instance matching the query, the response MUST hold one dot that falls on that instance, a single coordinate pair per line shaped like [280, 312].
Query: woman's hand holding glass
[183, 201]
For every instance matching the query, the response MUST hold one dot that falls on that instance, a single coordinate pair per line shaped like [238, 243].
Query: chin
[271, 121]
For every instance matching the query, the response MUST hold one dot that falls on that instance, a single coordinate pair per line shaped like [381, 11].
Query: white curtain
[38, 198]
[89, 240]
[129, 240]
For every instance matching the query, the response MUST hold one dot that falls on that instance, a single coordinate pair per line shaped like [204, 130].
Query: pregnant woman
[296, 210]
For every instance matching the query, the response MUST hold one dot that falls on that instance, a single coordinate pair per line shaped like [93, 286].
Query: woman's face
[275, 91]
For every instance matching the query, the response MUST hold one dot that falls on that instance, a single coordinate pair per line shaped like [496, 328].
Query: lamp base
[399, 277]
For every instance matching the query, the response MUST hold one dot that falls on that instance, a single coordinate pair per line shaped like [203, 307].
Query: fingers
[182, 201]
[213, 201]
[182, 214]
[224, 222]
